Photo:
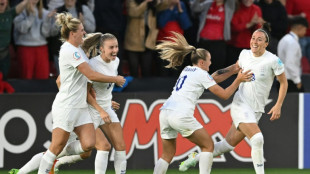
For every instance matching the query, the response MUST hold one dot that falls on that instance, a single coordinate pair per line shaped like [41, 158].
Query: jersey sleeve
[75, 58]
[207, 80]
[277, 66]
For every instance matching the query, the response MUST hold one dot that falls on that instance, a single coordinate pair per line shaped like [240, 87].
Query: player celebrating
[101, 111]
[100, 108]
[176, 115]
[249, 101]
[70, 112]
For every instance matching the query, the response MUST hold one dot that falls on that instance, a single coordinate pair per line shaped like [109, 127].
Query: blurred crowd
[29, 37]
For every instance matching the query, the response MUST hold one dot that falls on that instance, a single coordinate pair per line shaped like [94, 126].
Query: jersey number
[180, 82]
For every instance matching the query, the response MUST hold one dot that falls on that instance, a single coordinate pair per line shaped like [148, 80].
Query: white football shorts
[69, 118]
[98, 120]
[241, 112]
[172, 122]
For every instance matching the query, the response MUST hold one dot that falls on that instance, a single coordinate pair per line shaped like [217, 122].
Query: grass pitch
[192, 171]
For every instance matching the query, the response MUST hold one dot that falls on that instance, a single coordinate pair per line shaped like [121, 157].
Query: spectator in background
[214, 28]
[53, 4]
[32, 27]
[275, 14]
[141, 33]
[175, 18]
[77, 10]
[247, 18]
[301, 8]
[109, 19]
[289, 52]
[7, 15]
[89, 3]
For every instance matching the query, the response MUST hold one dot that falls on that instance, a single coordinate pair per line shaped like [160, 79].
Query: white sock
[161, 167]
[73, 148]
[101, 162]
[47, 162]
[67, 160]
[120, 162]
[31, 165]
[257, 153]
[205, 162]
[221, 147]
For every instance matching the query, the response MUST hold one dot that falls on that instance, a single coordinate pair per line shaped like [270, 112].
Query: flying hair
[174, 50]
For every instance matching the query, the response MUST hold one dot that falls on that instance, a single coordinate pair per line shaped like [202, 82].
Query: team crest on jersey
[76, 55]
[280, 62]
[210, 77]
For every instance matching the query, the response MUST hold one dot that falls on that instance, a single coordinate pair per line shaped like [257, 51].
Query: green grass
[192, 171]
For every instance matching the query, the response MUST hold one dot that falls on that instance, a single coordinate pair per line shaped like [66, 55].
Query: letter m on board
[141, 128]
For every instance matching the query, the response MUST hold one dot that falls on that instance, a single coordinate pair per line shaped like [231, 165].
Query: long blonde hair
[67, 23]
[175, 48]
[94, 41]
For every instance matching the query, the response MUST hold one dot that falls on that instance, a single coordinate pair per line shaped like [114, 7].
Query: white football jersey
[104, 90]
[189, 87]
[264, 69]
[72, 92]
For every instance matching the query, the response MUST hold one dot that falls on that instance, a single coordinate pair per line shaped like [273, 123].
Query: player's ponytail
[94, 41]
[91, 44]
[175, 48]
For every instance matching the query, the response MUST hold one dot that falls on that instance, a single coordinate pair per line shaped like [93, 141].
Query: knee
[88, 146]
[57, 148]
[257, 140]
[120, 146]
[86, 155]
[104, 146]
[168, 157]
[207, 146]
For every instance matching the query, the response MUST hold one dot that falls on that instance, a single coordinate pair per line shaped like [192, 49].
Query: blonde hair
[94, 41]
[175, 48]
[67, 23]
[39, 7]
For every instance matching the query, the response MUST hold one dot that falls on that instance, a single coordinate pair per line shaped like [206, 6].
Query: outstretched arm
[276, 109]
[226, 93]
[223, 74]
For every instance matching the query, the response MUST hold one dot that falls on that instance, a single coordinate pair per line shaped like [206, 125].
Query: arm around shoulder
[92, 75]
